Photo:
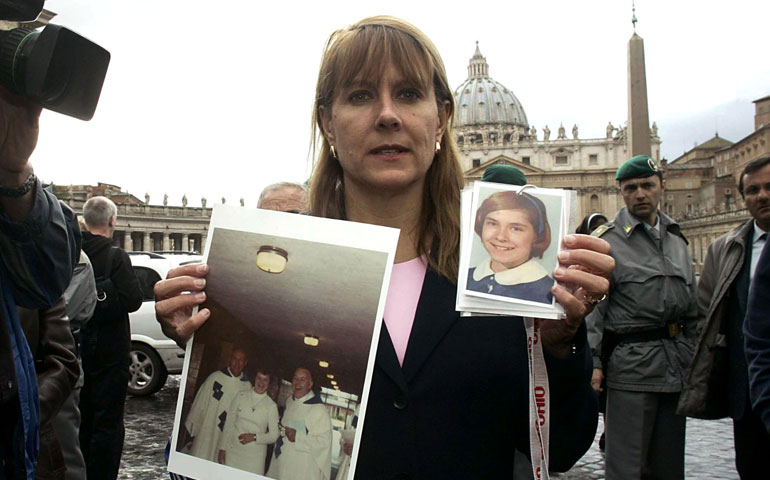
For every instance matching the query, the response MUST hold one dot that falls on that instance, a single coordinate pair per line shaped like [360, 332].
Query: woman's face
[508, 236]
[385, 132]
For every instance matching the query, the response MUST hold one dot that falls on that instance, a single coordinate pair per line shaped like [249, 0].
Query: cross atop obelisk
[638, 116]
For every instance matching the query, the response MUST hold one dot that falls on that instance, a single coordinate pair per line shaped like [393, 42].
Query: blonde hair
[362, 51]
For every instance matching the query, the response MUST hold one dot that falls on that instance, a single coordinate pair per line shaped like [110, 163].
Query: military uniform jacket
[652, 286]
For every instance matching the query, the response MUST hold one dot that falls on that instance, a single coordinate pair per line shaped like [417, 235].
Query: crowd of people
[449, 395]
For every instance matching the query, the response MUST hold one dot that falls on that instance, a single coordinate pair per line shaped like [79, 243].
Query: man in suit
[723, 293]
[757, 332]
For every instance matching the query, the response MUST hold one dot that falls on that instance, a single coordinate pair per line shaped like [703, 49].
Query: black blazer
[458, 406]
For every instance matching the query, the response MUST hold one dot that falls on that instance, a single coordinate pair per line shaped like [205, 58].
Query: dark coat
[36, 258]
[458, 407]
[756, 329]
[107, 341]
[50, 340]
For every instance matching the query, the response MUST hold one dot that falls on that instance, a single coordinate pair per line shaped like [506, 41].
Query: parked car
[153, 355]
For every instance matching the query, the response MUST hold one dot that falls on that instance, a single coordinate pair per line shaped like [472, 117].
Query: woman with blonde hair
[449, 394]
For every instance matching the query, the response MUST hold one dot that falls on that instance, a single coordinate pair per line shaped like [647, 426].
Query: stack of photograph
[509, 243]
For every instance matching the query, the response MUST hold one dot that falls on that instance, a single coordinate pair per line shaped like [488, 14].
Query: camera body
[55, 67]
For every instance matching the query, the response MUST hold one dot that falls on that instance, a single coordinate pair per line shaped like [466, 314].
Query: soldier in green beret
[648, 324]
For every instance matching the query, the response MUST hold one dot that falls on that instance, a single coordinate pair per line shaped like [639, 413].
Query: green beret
[640, 166]
[504, 174]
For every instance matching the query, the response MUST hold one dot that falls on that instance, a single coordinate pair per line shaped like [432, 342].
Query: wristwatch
[21, 190]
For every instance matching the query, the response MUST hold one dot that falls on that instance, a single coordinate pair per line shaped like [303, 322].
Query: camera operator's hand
[18, 138]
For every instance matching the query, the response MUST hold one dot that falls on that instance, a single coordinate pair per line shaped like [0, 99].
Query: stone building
[491, 127]
[708, 178]
[144, 227]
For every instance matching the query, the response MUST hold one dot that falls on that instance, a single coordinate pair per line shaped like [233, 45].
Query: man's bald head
[283, 197]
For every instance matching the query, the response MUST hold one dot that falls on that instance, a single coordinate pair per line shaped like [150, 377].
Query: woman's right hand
[175, 298]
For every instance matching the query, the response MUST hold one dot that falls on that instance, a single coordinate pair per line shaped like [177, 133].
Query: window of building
[670, 197]
[560, 160]
[689, 208]
[525, 160]
[593, 159]
[594, 203]
[689, 195]
[669, 209]
[476, 162]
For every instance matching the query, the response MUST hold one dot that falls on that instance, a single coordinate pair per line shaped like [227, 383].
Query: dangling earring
[333, 152]
[438, 148]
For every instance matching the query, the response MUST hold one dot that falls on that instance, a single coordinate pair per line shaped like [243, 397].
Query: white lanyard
[539, 402]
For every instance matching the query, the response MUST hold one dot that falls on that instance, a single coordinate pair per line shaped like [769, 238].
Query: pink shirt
[401, 304]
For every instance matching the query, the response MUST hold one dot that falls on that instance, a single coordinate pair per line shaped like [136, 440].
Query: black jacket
[459, 405]
[107, 341]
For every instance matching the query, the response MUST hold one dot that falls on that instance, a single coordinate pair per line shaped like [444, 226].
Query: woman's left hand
[585, 270]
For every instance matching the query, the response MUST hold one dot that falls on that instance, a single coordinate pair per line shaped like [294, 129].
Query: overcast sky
[214, 98]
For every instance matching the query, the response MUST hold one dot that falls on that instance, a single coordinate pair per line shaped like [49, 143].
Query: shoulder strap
[601, 230]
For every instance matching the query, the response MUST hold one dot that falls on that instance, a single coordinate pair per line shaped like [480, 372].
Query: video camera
[54, 67]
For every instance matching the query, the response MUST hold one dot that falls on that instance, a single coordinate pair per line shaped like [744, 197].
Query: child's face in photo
[508, 236]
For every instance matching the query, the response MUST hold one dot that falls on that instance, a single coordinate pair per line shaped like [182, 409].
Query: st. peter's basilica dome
[481, 100]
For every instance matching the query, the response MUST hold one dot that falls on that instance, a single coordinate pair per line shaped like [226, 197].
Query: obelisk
[638, 117]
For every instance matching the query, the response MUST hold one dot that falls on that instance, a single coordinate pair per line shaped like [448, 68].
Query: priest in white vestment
[252, 425]
[304, 451]
[208, 415]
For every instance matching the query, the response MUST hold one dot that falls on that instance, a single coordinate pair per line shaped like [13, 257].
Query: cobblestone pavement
[709, 450]
[709, 454]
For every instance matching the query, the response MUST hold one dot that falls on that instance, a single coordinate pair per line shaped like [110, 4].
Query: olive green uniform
[650, 316]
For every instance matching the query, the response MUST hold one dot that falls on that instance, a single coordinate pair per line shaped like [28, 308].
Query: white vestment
[250, 412]
[309, 456]
[347, 435]
[208, 415]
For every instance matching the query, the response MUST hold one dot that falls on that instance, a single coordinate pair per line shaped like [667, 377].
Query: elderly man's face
[284, 199]
[301, 383]
[237, 362]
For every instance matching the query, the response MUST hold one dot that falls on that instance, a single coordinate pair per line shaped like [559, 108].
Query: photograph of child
[514, 247]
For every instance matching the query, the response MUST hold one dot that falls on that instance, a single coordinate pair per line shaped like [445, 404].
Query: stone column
[203, 243]
[166, 242]
[127, 244]
[147, 242]
[638, 117]
[185, 242]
